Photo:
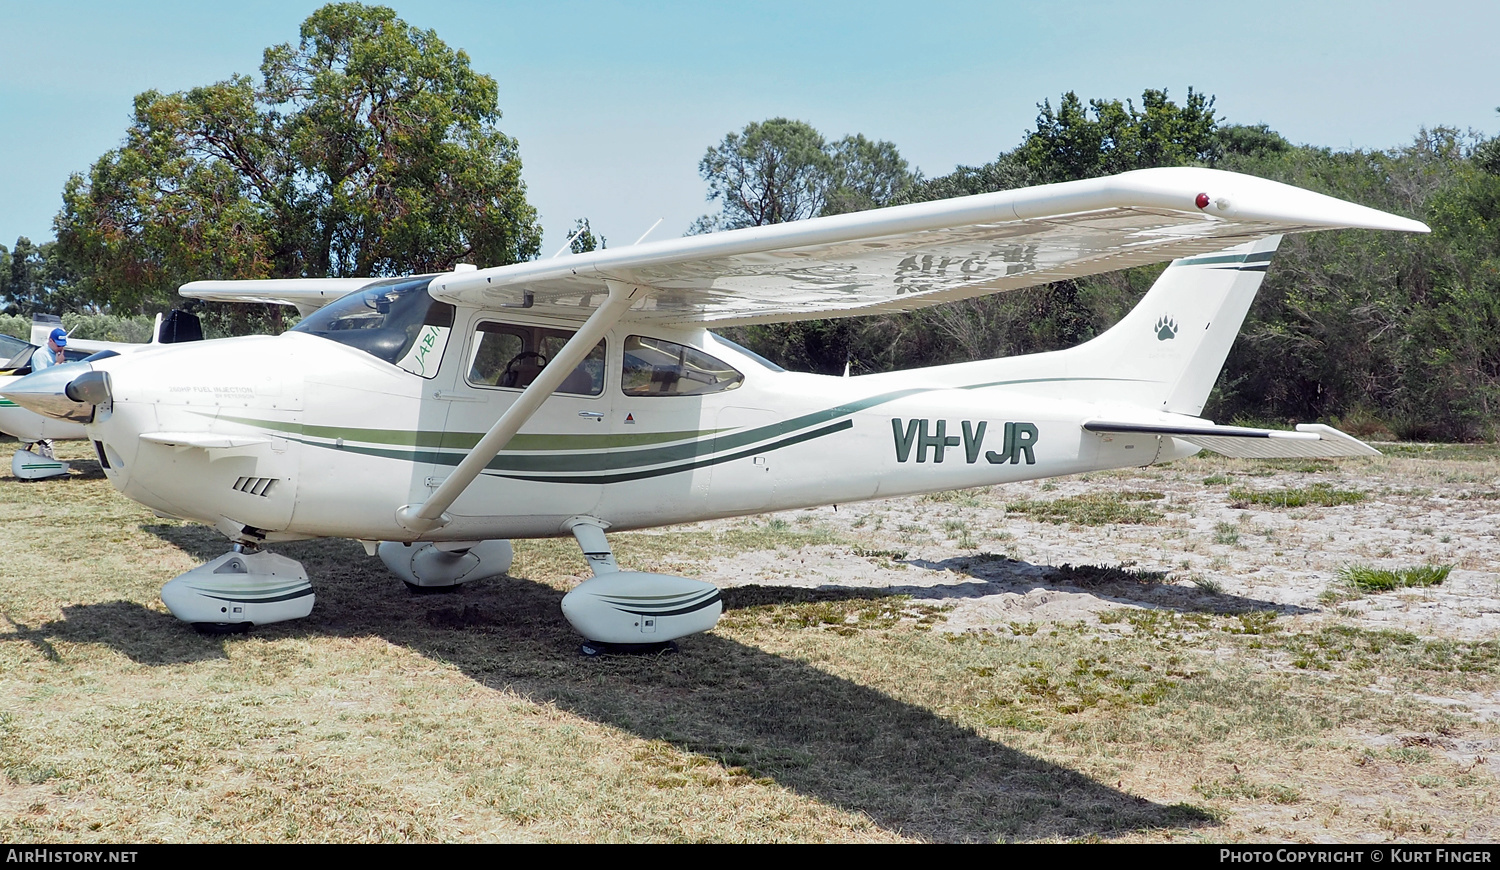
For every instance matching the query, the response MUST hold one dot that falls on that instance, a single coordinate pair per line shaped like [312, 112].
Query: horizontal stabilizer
[203, 440]
[1310, 441]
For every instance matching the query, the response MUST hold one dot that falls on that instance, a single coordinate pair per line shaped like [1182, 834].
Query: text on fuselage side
[920, 435]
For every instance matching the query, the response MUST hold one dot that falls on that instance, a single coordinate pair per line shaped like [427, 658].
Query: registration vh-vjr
[435, 418]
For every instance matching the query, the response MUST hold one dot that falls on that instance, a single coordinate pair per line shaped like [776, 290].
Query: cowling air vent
[260, 486]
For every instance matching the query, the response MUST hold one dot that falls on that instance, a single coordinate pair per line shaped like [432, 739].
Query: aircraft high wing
[436, 417]
[892, 259]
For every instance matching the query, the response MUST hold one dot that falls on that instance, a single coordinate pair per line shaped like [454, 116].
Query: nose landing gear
[238, 590]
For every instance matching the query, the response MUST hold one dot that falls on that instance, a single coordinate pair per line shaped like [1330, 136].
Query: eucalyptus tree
[780, 170]
[368, 147]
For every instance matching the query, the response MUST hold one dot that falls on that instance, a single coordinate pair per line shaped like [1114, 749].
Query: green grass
[1093, 576]
[1226, 533]
[1367, 579]
[959, 497]
[841, 612]
[1427, 664]
[1444, 452]
[1319, 494]
[1240, 787]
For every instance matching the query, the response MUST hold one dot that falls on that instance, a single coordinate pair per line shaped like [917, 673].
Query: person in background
[51, 355]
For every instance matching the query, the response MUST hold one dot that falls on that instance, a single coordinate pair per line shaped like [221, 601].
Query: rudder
[1168, 351]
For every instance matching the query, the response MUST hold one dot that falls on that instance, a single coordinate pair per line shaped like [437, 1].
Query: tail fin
[42, 326]
[1167, 352]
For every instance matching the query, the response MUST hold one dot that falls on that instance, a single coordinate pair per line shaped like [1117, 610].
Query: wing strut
[430, 514]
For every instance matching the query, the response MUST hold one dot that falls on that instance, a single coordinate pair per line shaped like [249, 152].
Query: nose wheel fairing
[240, 589]
[425, 566]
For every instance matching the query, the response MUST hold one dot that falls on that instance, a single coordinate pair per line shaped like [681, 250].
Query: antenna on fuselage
[648, 232]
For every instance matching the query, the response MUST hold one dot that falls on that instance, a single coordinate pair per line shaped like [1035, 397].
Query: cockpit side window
[512, 355]
[656, 367]
[397, 321]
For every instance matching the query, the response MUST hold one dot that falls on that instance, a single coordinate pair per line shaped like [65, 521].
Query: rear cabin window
[512, 355]
[655, 367]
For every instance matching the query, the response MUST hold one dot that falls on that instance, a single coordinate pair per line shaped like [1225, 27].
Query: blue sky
[614, 104]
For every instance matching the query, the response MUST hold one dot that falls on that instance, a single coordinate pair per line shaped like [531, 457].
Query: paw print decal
[1166, 328]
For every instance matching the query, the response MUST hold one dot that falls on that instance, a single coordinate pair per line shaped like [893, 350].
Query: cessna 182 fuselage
[437, 417]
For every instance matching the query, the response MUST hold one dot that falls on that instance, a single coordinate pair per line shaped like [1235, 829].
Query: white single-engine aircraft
[436, 417]
[31, 428]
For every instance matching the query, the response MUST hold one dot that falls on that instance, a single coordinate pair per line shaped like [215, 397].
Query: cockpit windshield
[386, 320]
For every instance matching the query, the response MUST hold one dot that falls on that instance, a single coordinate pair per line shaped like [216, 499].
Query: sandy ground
[995, 567]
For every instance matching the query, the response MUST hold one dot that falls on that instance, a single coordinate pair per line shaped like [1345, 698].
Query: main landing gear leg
[632, 612]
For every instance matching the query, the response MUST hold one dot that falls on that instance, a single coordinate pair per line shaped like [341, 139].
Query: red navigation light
[1202, 200]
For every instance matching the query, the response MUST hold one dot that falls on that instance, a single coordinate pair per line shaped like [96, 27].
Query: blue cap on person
[59, 337]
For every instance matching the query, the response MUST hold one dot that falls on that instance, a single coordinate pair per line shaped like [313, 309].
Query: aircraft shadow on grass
[996, 574]
[146, 636]
[84, 469]
[823, 736]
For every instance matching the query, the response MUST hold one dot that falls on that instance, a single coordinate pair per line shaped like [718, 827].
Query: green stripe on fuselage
[623, 476]
[467, 440]
[587, 452]
[590, 454]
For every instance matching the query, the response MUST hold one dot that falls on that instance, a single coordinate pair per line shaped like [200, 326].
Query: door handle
[591, 415]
